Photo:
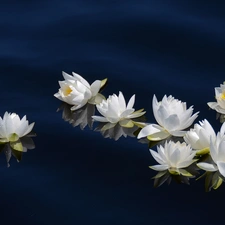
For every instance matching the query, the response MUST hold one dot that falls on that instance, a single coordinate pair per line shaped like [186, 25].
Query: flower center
[222, 96]
[67, 91]
[173, 171]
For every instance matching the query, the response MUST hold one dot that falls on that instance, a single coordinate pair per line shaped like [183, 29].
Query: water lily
[172, 117]
[173, 157]
[114, 110]
[199, 136]
[219, 105]
[12, 128]
[217, 152]
[76, 91]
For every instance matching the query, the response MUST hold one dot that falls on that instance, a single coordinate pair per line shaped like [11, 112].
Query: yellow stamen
[223, 96]
[67, 91]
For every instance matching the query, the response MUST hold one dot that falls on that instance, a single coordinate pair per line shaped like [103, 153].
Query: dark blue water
[143, 48]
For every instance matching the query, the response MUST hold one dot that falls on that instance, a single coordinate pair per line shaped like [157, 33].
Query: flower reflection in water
[27, 144]
[165, 176]
[182, 150]
[80, 117]
[117, 131]
[213, 179]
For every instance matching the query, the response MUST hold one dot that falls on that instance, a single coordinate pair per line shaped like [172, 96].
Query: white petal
[207, 166]
[81, 79]
[212, 105]
[175, 157]
[126, 113]
[158, 136]
[222, 129]
[189, 122]
[172, 122]
[178, 133]
[157, 157]
[67, 76]
[149, 130]
[185, 164]
[131, 102]
[9, 126]
[221, 151]
[122, 101]
[29, 129]
[221, 167]
[95, 87]
[136, 115]
[155, 107]
[100, 118]
[159, 167]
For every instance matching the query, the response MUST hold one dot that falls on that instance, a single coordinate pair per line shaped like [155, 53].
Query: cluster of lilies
[181, 150]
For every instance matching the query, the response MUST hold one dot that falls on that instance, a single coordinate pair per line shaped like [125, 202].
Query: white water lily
[173, 157]
[76, 91]
[217, 152]
[172, 117]
[12, 127]
[219, 105]
[114, 110]
[199, 136]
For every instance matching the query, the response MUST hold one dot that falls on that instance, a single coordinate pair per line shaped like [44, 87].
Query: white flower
[114, 110]
[172, 116]
[199, 136]
[76, 91]
[219, 105]
[12, 127]
[217, 152]
[173, 157]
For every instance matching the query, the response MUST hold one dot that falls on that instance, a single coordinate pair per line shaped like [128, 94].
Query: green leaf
[203, 151]
[138, 111]
[139, 124]
[17, 145]
[185, 173]
[103, 82]
[13, 137]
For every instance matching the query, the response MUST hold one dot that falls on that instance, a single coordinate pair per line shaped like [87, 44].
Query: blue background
[144, 48]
